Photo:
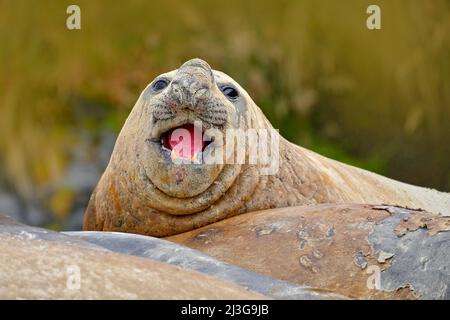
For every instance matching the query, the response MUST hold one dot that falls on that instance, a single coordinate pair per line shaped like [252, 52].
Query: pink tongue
[185, 140]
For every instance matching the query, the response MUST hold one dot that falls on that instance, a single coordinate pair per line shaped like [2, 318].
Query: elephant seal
[44, 264]
[359, 251]
[152, 187]
[169, 252]
[100, 246]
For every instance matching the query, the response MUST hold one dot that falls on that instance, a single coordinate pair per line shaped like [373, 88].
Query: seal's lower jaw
[175, 164]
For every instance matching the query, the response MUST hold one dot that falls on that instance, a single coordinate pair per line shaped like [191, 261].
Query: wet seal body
[143, 191]
[168, 252]
[29, 251]
[360, 251]
[44, 264]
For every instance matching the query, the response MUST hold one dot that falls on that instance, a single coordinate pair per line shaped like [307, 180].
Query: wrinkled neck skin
[309, 178]
[127, 200]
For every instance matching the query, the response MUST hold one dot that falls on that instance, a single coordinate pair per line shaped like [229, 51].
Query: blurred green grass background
[375, 99]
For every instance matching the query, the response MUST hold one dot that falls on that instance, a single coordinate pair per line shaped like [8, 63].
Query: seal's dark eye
[160, 84]
[230, 92]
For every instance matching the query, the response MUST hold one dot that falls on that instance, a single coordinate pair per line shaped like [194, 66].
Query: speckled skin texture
[38, 269]
[143, 192]
[337, 247]
[35, 264]
[168, 252]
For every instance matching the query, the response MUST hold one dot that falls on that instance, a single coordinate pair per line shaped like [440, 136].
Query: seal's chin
[174, 160]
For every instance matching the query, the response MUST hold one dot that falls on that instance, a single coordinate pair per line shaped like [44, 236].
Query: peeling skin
[419, 259]
[142, 192]
[383, 256]
[304, 251]
[360, 260]
[425, 220]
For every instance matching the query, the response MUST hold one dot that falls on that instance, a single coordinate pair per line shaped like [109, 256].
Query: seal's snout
[191, 95]
[192, 82]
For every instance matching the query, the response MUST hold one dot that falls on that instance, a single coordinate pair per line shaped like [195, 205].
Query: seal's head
[168, 172]
[186, 110]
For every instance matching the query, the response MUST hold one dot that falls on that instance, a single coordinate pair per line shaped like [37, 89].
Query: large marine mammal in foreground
[143, 190]
[328, 251]
[43, 264]
[359, 251]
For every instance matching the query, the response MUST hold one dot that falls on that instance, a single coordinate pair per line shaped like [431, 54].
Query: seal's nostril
[201, 93]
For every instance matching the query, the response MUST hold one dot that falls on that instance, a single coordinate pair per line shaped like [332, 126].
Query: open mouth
[186, 141]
